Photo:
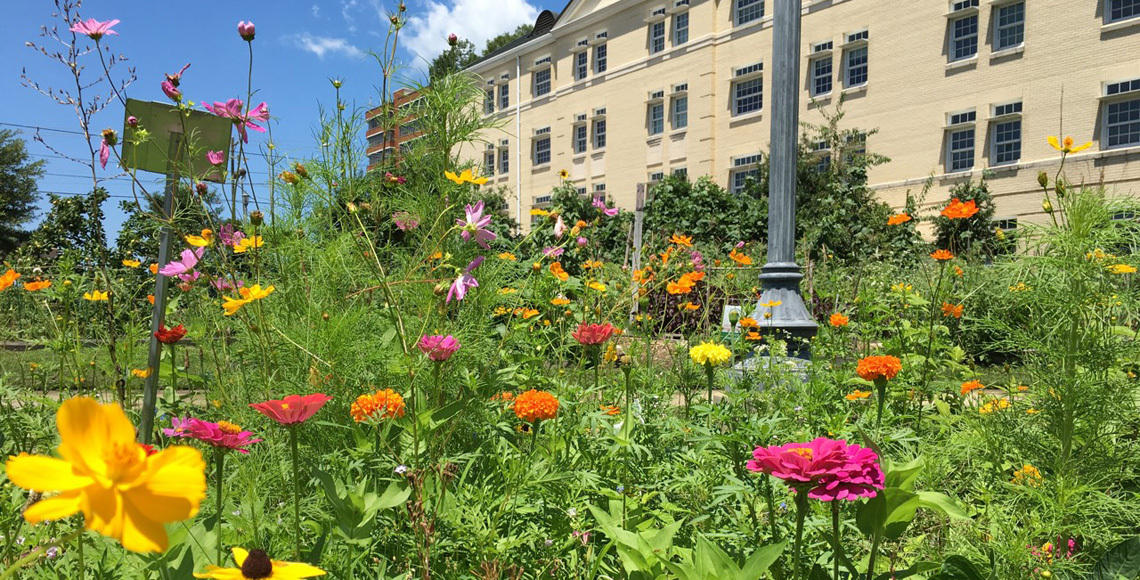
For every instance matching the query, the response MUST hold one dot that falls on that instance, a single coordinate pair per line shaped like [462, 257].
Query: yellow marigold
[857, 394]
[878, 367]
[595, 285]
[1122, 269]
[535, 405]
[507, 256]
[710, 353]
[539, 212]
[969, 386]
[385, 404]
[1027, 475]
[837, 320]
[994, 405]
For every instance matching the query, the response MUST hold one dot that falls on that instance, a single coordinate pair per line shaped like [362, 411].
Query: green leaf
[395, 495]
[762, 559]
[901, 475]
[943, 503]
[958, 568]
[1119, 563]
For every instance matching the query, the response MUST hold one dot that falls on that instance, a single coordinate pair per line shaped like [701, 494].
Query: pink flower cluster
[828, 469]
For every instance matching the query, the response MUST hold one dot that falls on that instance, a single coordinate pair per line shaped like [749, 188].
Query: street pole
[780, 277]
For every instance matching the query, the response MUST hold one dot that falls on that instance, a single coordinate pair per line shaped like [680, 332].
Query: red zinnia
[590, 334]
[170, 335]
[293, 409]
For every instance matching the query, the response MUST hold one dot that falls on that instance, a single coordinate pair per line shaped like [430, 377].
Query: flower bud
[1042, 179]
[172, 91]
[340, 106]
[185, 286]
[246, 30]
[440, 289]
[256, 217]
[536, 267]
[241, 173]
[132, 121]
[325, 316]
[336, 83]
[999, 233]
[110, 137]
[395, 20]
[289, 177]
[201, 188]
[734, 317]
[1045, 205]
[452, 39]
[301, 171]
[1059, 187]
[403, 8]
[643, 302]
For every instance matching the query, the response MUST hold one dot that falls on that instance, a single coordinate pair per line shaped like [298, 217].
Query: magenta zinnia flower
[826, 468]
[476, 225]
[94, 29]
[438, 347]
[189, 261]
[223, 434]
[464, 282]
[293, 409]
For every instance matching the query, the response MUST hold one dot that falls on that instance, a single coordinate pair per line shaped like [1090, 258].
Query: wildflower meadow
[381, 375]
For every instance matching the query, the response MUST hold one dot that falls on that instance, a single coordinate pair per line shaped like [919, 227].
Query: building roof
[542, 25]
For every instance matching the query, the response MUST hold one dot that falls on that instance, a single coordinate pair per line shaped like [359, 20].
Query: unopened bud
[241, 172]
[336, 83]
[110, 137]
[1047, 206]
[325, 316]
[394, 19]
[535, 267]
[185, 286]
[301, 171]
[440, 289]
[256, 218]
[734, 316]
[452, 40]
[132, 121]
[1060, 188]
[289, 177]
[201, 188]
[643, 302]
[1042, 179]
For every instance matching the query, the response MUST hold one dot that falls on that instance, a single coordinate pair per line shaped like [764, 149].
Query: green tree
[69, 231]
[973, 234]
[18, 191]
[452, 60]
[505, 38]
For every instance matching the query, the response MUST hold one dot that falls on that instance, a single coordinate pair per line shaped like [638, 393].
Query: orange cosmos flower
[610, 410]
[692, 278]
[154, 268]
[595, 285]
[857, 394]
[898, 218]
[1066, 146]
[556, 269]
[680, 240]
[535, 405]
[643, 276]
[949, 310]
[752, 335]
[8, 279]
[958, 271]
[740, 259]
[959, 210]
[689, 306]
[591, 264]
[37, 285]
[942, 255]
[150, 298]
[838, 319]
[505, 396]
[878, 367]
[665, 257]
[971, 386]
[559, 301]
[386, 404]
[678, 288]
[748, 322]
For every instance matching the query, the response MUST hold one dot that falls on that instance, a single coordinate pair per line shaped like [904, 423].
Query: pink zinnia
[94, 29]
[476, 225]
[293, 409]
[826, 468]
[464, 282]
[223, 434]
[438, 347]
[593, 334]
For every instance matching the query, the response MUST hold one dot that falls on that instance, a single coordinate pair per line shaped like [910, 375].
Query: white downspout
[518, 143]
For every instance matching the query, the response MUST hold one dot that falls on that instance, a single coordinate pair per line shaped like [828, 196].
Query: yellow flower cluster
[1027, 475]
[710, 353]
[994, 405]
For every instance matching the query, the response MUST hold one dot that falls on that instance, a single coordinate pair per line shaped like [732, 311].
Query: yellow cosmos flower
[465, 177]
[255, 292]
[96, 296]
[132, 263]
[256, 564]
[140, 373]
[539, 212]
[591, 264]
[1066, 146]
[507, 290]
[1122, 269]
[560, 301]
[771, 303]
[595, 285]
[107, 475]
[232, 305]
[507, 256]
[709, 353]
[206, 239]
[247, 244]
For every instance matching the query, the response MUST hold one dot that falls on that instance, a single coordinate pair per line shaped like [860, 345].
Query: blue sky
[299, 47]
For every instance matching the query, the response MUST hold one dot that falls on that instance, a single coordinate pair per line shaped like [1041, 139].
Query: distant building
[624, 92]
[386, 139]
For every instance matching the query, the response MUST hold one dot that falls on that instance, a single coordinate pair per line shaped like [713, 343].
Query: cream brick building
[622, 92]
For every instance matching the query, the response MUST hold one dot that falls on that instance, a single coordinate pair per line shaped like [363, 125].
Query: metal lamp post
[780, 276]
[165, 153]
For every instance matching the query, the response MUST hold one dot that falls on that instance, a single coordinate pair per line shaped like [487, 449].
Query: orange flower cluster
[838, 319]
[748, 322]
[970, 386]
[942, 255]
[958, 210]
[878, 367]
[685, 284]
[857, 394]
[535, 405]
[949, 310]
[386, 404]
[898, 218]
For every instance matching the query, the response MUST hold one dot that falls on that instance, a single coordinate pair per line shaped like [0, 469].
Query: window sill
[653, 140]
[1120, 24]
[855, 89]
[1011, 51]
[763, 21]
[962, 63]
[675, 133]
[540, 167]
[821, 98]
[598, 153]
[747, 116]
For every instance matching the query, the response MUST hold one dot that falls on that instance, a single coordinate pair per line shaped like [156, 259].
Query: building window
[1122, 9]
[856, 64]
[599, 133]
[748, 96]
[542, 151]
[504, 160]
[740, 179]
[680, 28]
[541, 82]
[960, 154]
[504, 96]
[581, 65]
[600, 58]
[656, 37]
[489, 162]
[656, 118]
[1007, 142]
[580, 138]
[681, 173]
[680, 112]
[1122, 123]
[821, 76]
[749, 10]
[964, 37]
[489, 102]
[1010, 21]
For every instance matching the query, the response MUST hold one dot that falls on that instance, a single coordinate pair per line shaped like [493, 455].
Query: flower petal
[295, 570]
[54, 508]
[88, 428]
[1056, 143]
[39, 473]
[239, 555]
[1081, 147]
[220, 573]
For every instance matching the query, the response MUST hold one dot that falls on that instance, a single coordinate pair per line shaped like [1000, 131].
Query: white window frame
[656, 37]
[549, 83]
[679, 30]
[999, 28]
[817, 77]
[757, 80]
[581, 137]
[489, 161]
[1110, 6]
[536, 150]
[995, 134]
[954, 38]
[504, 160]
[745, 11]
[504, 96]
[959, 123]
[848, 54]
[656, 117]
[599, 137]
[679, 111]
[581, 65]
[1133, 103]
[601, 56]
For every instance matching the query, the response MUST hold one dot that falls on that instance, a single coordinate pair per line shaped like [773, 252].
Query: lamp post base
[789, 320]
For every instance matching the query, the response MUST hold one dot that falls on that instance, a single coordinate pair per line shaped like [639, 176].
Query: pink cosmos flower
[177, 428]
[552, 252]
[247, 30]
[438, 347]
[293, 409]
[190, 277]
[216, 158]
[476, 225]
[600, 203]
[394, 179]
[171, 91]
[223, 434]
[464, 282]
[104, 153]
[224, 284]
[828, 469]
[94, 29]
[582, 241]
[559, 228]
[176, 78]
[739, 245]
[405, 221]
[132, 121]
[697, 260]
[229, 235]
[189, 261]
[232, 109]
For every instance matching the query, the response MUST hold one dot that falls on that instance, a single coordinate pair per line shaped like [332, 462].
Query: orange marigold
[942, 255]
[949, 310]
[878, 367]
[959, 210]
[535, 405]
[838, 319]
[898, 218]
[385, 404]
[971, 386]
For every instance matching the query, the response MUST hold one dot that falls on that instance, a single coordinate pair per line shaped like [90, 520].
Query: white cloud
[346, 7]
[324, 45]
[425, 35]
[316, 11]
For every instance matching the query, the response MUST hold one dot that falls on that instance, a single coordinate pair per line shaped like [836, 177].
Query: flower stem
[173, 370]
[881, 396]
[874, 554]
[36, 553]
[79, 554]
[296, 492]
[797, 543]
[219, 461]
[710, 374]
[835, 538]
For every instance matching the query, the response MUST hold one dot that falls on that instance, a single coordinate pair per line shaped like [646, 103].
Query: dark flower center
[257, 565]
